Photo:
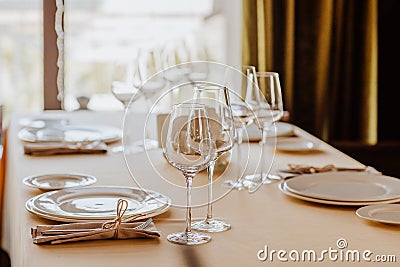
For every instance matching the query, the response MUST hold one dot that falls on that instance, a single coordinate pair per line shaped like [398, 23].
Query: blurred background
[337, 59]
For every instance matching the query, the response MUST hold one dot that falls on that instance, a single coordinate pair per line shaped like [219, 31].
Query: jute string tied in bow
[122, 206]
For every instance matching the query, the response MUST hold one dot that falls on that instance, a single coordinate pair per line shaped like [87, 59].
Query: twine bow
[122, 206]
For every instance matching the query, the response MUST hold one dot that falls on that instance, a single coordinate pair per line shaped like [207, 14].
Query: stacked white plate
[70, 133]
[346, 188]
[279, 129]
[96, 203]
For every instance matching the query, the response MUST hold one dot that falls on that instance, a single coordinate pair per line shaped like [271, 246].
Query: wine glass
[243, 107]
[269, 111]
[216, 100]
[150, 84]
[125, 88]
[189, 148]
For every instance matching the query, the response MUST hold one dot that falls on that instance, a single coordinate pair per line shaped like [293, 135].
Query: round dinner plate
[58, 180]
[96, 203]
[284, 190]
[384, 213]
[71, 133]
[345, 186]
[42, 121]
[281, 129]
[296, 144]
[30, 207]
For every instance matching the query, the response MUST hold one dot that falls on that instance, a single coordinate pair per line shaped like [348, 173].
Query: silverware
[305, 169]
[141, 226]
[144, 225]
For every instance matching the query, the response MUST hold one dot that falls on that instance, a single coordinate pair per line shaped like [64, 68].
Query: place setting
[340, 186]
[53, 136]
[96, 212]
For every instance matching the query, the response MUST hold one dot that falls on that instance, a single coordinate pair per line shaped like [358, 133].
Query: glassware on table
[189, 148]
[243, 109]
[150, 84]
[269, 111]
[216, 100]
[125, 88]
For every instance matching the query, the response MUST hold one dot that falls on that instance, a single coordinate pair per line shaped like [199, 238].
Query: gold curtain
[326, 53]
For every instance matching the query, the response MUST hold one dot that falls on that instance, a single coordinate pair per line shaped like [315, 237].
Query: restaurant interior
[65, 63]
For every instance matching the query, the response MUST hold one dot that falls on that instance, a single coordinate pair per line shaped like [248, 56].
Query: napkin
[303, 169]
[57, 234]
[57, 148]
[119, 228]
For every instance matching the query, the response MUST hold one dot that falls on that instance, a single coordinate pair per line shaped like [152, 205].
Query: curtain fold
[326, 55]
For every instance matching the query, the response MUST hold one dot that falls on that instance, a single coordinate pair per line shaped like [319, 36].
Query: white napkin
[57, 148]
[63, 233]
[119, 228]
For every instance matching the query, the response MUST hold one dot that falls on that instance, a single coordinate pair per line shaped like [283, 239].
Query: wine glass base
[136, 147]
[191, 238]
[268, 179]
[238, 184]
[211, 226]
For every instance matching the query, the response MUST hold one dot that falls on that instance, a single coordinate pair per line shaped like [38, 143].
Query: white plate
[30, 207]
[56, 181]
[296, 144]
[41, 122]
[283, 188]
[384, 213]
[71, 133]
[345, 186]
[281, 129]
[95, 203]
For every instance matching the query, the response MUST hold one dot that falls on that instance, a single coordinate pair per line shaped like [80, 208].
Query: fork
[144, 225]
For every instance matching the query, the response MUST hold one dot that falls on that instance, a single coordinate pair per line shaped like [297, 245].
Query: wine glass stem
[263, 161]
[148, 107]
[210, 171]
[189, 180]
[239, 132]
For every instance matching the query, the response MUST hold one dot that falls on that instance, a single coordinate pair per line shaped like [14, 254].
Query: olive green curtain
[326, 53]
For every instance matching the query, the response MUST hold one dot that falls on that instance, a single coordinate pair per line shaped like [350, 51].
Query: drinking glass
[216, 100]
[150, 84]
[269, 111]
[243, 107]
[125, 87]
[189, 148]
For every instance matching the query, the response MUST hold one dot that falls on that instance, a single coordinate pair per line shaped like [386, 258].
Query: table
[267, 218]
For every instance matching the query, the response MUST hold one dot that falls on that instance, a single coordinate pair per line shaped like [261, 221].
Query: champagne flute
[243, 106]
[269, 111]
[189, 148]
[216, 100]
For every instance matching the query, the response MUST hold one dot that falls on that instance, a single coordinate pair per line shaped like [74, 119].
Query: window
[21, 55]
[99, 32]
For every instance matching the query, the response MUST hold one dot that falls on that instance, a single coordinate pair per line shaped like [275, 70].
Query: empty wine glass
[125, 87]
[150, 84]
[269, 111]
[243, 106]
[189, 148]
[216, 100]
